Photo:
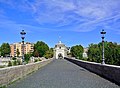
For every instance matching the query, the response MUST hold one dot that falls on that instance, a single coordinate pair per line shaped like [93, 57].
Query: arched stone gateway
[60, 51]
[60, 56]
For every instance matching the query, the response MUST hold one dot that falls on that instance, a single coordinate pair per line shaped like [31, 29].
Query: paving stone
[63, 74]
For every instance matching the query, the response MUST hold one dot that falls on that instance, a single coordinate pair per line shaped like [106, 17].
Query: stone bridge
[61, 73]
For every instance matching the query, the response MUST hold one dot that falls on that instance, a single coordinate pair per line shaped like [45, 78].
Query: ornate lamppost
[23, 37]
[103, 56]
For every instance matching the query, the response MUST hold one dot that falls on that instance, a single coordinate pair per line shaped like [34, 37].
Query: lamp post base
[103, 62]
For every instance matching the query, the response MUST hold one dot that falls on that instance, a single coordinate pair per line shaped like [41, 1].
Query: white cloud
[90, 13]
[81, 15]
[16, 27]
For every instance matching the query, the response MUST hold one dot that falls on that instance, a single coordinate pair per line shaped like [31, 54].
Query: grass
[3, 87]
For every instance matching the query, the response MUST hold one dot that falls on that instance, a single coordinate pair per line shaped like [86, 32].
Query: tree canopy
[49, 53]
[5, 49]
[18, 52]
[112, 53]
[77, 51]
[40, 48]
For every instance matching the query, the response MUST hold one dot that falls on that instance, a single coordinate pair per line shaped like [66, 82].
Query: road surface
[63, 74]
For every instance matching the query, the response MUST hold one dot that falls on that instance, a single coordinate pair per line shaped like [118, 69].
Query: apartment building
[28, 47]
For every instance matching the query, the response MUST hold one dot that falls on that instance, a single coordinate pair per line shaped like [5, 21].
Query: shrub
[19, 62]
[14, 62]
[14, 58]
[27, 57]
[9, 63]
[2, 66]
[36, 60]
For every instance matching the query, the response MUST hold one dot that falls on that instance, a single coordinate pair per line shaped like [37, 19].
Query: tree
[40, 48]
[36, 53]
[49, 53]
[5, 49]
[95, 53]
[77, 51]
[17, 52]
[27, 57]
[9, 63]
[14, 58]
[14, 62]
[112, 53]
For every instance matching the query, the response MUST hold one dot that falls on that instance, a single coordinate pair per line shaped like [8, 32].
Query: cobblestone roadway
[63, 74]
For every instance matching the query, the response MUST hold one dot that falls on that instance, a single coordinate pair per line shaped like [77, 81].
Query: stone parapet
[11, 74]
[110, 72]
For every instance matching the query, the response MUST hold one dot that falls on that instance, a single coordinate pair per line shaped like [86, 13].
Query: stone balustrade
[11, 74]
[110, 72]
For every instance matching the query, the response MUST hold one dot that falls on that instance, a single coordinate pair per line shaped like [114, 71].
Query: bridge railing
[110, 72]
[11, 74]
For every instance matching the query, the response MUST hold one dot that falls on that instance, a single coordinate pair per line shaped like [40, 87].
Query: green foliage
[3, 87]
[19, 62]
[18, 52]
[14, 58]
[112, 53]
[5, 49]
[27, 57]
[14, 63]
[9, 63]
[77, 51]
[95, 53]
[40, 49]
[49, 53]
[2, 66]
[36, 60]
[86, 59]
[36, 53]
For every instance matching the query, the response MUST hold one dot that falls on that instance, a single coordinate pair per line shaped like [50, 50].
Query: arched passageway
[60, 56]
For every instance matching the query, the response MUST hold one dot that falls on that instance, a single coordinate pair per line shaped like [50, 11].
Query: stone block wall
[110, 72]
[11, 74]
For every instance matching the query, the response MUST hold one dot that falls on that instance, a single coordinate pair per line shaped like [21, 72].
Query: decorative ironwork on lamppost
[103, 56]
[23, 37]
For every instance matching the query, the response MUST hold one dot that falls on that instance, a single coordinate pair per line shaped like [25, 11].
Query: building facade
[60, 51]
[85, 53]
[28, 48]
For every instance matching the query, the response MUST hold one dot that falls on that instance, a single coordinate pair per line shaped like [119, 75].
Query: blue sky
[76, 21]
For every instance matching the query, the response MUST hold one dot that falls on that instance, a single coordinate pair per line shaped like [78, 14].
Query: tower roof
[60, 44]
